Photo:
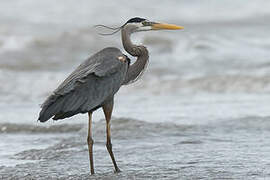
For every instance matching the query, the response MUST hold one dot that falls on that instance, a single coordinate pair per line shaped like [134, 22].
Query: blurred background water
[201, 110]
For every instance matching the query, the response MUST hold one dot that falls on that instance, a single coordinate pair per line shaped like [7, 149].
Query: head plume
[117, 29]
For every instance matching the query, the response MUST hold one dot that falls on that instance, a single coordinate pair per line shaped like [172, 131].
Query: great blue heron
[93, 84]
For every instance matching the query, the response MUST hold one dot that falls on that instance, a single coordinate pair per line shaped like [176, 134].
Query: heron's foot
[92, 173]
[117, 170]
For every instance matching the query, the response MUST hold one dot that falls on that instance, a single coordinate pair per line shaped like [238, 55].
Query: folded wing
[93, 82]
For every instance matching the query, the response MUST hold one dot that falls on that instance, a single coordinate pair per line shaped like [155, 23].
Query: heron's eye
[146, 23]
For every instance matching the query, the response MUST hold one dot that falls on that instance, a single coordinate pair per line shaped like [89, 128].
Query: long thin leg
[90, 143]
[107, 109]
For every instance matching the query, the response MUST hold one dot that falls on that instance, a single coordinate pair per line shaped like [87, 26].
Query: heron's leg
[107, 109]
[90, 142]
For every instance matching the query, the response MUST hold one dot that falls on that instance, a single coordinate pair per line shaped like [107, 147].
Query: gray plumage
[96, 80]
[92, 83]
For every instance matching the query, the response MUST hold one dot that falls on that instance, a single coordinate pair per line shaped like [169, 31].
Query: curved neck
[137, 68]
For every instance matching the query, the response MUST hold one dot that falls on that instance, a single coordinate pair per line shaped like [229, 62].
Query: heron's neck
[137, 68]
[132, 49]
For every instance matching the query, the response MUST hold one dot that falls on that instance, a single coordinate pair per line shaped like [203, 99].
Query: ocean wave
[248, 123]
[33, 129]
[133, 129]
[198, 60]
[207, 84]
[123, 128]
[49, 52]
[197, 46]
[128, 128]
[191, 52]
[36, 86]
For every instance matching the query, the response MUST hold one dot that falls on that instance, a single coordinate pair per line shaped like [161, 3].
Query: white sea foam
[13, 43]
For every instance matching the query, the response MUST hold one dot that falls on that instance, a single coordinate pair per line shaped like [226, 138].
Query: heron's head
[140, 24]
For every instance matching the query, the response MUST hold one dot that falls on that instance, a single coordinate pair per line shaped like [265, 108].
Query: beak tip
[180, 27]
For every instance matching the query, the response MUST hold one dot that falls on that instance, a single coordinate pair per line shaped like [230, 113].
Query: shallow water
[201, 110]
[191, 139]
[230, 149]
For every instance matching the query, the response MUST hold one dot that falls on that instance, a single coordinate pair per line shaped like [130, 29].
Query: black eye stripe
[136, 20]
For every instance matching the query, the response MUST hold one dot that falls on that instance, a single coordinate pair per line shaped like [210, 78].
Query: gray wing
[85, 89]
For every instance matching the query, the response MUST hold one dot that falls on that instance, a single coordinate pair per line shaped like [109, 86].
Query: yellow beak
[158, 26]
